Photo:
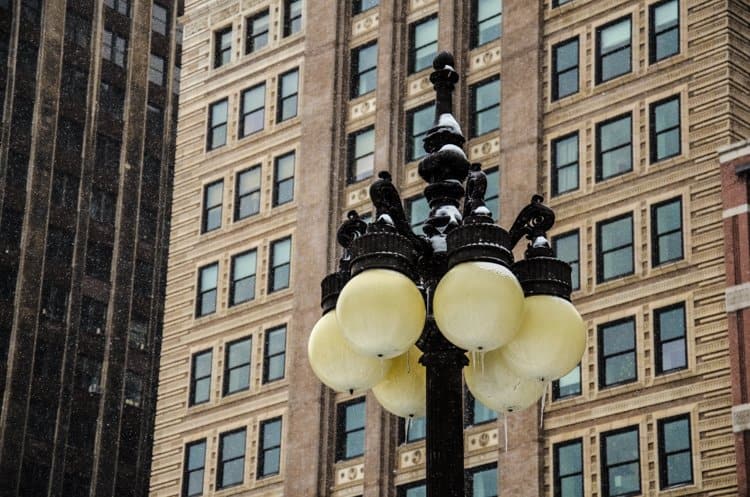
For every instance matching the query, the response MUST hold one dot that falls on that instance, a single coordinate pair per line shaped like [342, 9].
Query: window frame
[221, 462]
[164, 22]
[556, 476]
[207, 209]
[282, 98]
[289, 21]
[212, 127]
[600, 253]
[555, 168]
[476, 24]
[470, 476]
[556, 385]
[263, 450]
[240, 196]
[602, 357]
[251, 35]
[202, 292]
[272, 269]
[599, 176]
[656, 236]
[556, 74]
[230, 368]
[470, 411]
[157, 73]
[605, 466]
[576, 262]
[413, 49]
[244, 113]
[653, 34]
[186, 470]
[357, 7]
[357, 73]
[234, 280]
[659, 343]
[653, 134]
[411, 137]
[343, 435]
[475, 112]
[267, 356]
[351, 176]
[664, 456]
[599, 56]
[220, 49]
[195, 379]
[277, 183]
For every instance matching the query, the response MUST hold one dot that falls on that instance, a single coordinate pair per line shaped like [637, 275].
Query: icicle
[505, 429]
[408, 363]
[541, 414]
[481, 359]
[473, 360]
[408, 427]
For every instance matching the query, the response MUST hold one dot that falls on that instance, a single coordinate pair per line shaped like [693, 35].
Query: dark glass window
[283, 179]
[350, 430]
[288, 88]
[93, 316]
[568, 469]
[281, 254]
[144, 277]
[156, 70]
[361, 155]
[133, 389]
[200, 384]
[159, 19]
[108, 153]
[557, 3]
[194, 468]
[486, 22]
[257, 32]
[418, 122]
[247, 202]
[477, 413]
[237, 366]
[417, 211]
[666, 231]
[102, 206]
[212, 204]
[154, 124]
[564, 164]
[77, 29]
[98, 260]
[492, 195]
[207, 281]
[617, 355]
[568, 385]
[269, 450]
[223, 46]
[64, 190]
[482, 481]
[565, 69]
[614, 147]
[614, 254]
[485, 107]
[412, 490]
[414, 430]
[111, 99]
[274, 360]
[242, 286]
[253, 112]
[114, 48]
[121, 6]
[231, 463]
[664, 30]
[670, 340]
[621, 468]
[292, 17]
[567, 248]
[359, 6]
[423, 43]
[217, 124]
[364, 69]
[138, 331]
[675, 452]
[665, 129]
[613, 47]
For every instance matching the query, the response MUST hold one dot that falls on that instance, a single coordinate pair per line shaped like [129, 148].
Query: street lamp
[404, 313]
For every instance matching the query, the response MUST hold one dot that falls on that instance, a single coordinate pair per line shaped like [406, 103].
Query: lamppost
[403, 310]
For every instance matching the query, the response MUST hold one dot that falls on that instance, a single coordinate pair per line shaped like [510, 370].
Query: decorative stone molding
[483, 149]
[419, 85]
[482, 440]
[411, 458]
[355, 197]
[362, 109]
[365, 24]
[481, 60]
[737, 297]
[351, 474]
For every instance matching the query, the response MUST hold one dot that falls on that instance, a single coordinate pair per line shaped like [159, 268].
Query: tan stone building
[613, 110]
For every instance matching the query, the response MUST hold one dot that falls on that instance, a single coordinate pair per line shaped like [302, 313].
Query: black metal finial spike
[444, 79]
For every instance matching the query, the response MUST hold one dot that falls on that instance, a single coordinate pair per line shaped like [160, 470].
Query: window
[159, 19]
[292, 17]
[108, 153]
[664, 30]
[614, 147]
[237, 366]
[350, 430]
[138, 331]
[359, 6]
[666, 231]
[418, 122]
[565, 69]
[257, 32]
[288, 87]
[486, 22]
[567, 248]
[207, 280]
[613, 50]
[564, 158]
[242, 286]
[200, 385]
[212, 204]
[154, 126]
[114, 48]
[98, 260]
[281, 251]
[557, 3]
[93, 316]
[675, 452]
[111, 99]
[223, 47]
[482, 481]
[77, 30]
[492, 195]
[156, 70]
[102, 206]
[283, 179]
[133, 389]
[194, 468]
[568, 385]
[253, 112]
[274, 360]
[414, 490]
[477, 413]
[568, 468]
[364, 69]
[621, 469]
[247, 202]
[217, 124]
[121, 6]
[423, 36]
[269, 451]
[485, 107]
[614, 255]
[231, 464]
[669, 335]
[617, 360]
[417, 210]
[664, 117]
[361, 155]
[414, 430]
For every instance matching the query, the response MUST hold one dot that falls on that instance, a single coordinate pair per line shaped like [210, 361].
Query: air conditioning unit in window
[95, 388]
[142, 346]
[98, 331]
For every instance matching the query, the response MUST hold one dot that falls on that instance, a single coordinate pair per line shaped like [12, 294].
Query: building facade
[613, 110]
[88, 96]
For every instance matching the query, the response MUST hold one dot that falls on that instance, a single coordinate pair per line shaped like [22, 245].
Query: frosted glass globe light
[478, 305]
[551, 340]
[495, 385]
[403, 391]
[336, 364]
[381, 313]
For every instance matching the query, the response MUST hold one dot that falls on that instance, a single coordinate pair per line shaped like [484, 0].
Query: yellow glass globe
[478, 305]
[495, 385]
[381, 313]
[336, 364]
[551, 341]
[403, 391]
